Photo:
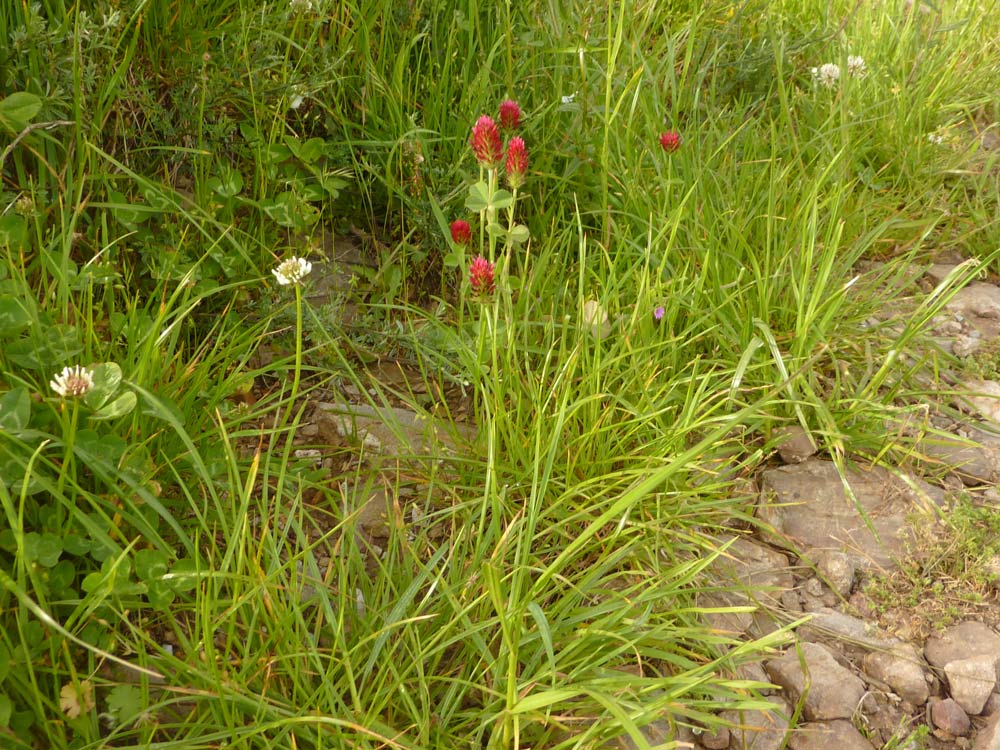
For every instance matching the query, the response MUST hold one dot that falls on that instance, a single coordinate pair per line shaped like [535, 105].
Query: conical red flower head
[485, 142]
[510, 115]
[517, 162]
[461, 232]
[671, 141]
[481, 277]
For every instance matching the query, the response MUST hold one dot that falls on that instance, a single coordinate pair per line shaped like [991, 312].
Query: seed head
[485, 142]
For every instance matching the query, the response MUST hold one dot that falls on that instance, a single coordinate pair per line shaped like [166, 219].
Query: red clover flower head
[517, 162]
[485, 142]
[481, 277]
[671, 141]
[510, 115]
[461, 232]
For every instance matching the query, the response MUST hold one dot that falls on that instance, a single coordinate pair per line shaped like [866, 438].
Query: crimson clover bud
[461, 232]
[671, 141]
[517, 162]
[485, 142]
[510, 115]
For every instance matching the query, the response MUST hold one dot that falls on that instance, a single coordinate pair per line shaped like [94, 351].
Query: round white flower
[827, 74]
[73, 382]
[856, 66]
[292, 271]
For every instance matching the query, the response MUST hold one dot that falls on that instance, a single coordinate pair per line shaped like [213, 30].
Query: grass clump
[669, 266]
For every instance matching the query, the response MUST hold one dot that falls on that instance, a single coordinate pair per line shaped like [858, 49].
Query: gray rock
[838, 570]
[975, 458]
[969, 638]
[824, 735]
[392, 430]
[970, 681]
[795, 445]
[901, 669]
[759, 730]
[758, 575]
[811, 509]
[829, 690]
[853, 636]
[948, 716]
[717, 740]
[976, 300]
[988, 738]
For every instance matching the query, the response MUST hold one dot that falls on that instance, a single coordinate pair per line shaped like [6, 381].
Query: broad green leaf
[479, 197]
[43, 549]
[6, 706]
[13, 231]
[18, 109]
[15, 410]
[117, 408]
[228, 183]
[502, 199]
[107, 377]
[150, 564]
[126, 703]
[519, 234]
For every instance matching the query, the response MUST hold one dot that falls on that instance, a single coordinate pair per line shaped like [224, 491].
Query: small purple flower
[658, 312]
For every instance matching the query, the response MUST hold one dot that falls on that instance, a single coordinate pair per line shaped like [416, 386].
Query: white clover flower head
[569, 98]
[936, 138]
[292, 271]
[827, 74]
[856, 66]
[73, 382]
[301, 5]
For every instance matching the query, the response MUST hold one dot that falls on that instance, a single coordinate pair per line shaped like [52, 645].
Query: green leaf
[126, 703]
[479, 197]
[121, 406]
[502, 199]
[53, 345]
[44, 549]
[127, 213]
[15, 410]
[519, 234]
[15, 316]
[18, 109]
[13, 231]
[6, 709]
[107, 378]
[228, 184]
[150, 564]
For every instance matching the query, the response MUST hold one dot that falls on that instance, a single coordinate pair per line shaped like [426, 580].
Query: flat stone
[852, 635]
[971, 680]
[391, 430]
[976, 300]
[901, 669]
[759, 730]
[948, 716]
[795, 445]
[823, 735]
[969, 638]
[988, 738]
[829, 691]
[975, 457]
[983, 398]
[807, 506]
[763, 571]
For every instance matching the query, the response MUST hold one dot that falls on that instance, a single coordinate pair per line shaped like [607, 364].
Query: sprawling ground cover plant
[630, 237]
